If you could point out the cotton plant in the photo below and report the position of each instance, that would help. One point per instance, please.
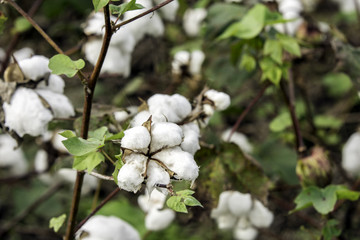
(152, 204)
(28, 110)
(107, 228)
(351, 155)
(242, 214)
(192, 21)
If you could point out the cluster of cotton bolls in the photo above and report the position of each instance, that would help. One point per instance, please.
(29, 110)
(156, 218)
(188, 63)
(107, 228)
(122, 44)
(351, 155)
(239, 212)
(161, 143)
(12, 158)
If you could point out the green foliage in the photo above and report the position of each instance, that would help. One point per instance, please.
(280, 122)
(118, 165)
(331, 229)
(88, 161)
(324, 121)
(62, 64)
(3, 19)
(57, 222)
(182, 199)
(323, 199)
(21, 25)
(248, 62)
(270, 70)
(99, 4)
(337, 84)
(124, 7)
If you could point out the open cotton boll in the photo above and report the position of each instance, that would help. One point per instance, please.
(239, 204)
(23, 53)
(59, 103)
(130, 175)
(249, 233)
(69, 175)
(239, 139)
(94, 24)
(197, 59)
(165, 134)
(137, 139)
(157, 220)
(12, 158)
(41, 165)
(168, 12)
(226, 221)
(190, 142)
(221, 100)
(192, 21)
(55, 84)
(223, 206)
(290, 6)
(260, 216)
(208, 110)
(101, 227)
(155, 200)
(181, 58)
(351, 155)
(156, 174)
(35, 67)
(26, 114)
(182, 163)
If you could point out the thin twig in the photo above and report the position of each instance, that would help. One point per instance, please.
(101, 176)
(89, 93)
(117, 26)
(248, 108)
(15, 221)
(110, 196)
(108, 157)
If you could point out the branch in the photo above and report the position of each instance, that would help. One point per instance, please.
(110, 196)
(89, 92)
(117, 26)
(100, 176)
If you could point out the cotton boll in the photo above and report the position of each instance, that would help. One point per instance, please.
(55, 84)
(26, 114)
(92, 49)
(223, 206)
(260, 216)
(41, 161)
(197, 59)
(249, 233)
(182, 163)
(239, 139)
(239, 203)
(165, 134)
(181, 58)
(181, 106)
(137, 139)
(192, 21)
(94, 24)
(208, 110)
(155, 200)
(117, 62)
(101, 227)
(168, 12)
(121, 116)
(35, 68)
(351, 155)
(226, 221)
(157, 220)
(156, 174)
(59, 103)
(23, 53)
(12, 158)
(220, 99)
(190, 142)
(69, 175)
(130, 175)
(290, 6)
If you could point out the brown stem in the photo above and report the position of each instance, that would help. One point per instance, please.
(117, 26)
(110, 196)
(248, 108)
(89, 93)
(357, 8)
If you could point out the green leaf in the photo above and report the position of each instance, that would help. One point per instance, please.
(116, 136)
(62, 64)
(273, 48)
(248, 62)
(88, 161)
(343, 192)
(118, 165)
(249, 26)
(185, 192)
(175, 203)
(323, 121)
(99, 4)
(122, 8)
(191, 201)
(79, 147)
(3, 19)
(289, 44)
(270, 71)
(67, 134)
(98, 133)
(337, 84)
(331, 230)
(21, 25)
(280, 122)
(57, 222)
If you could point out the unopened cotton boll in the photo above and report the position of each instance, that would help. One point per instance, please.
(12, 158)
(190, 142)
(101, 227)
(41, 161)
(59, 103)
(351, 155)
(35, 68)
(154, 200)
(156, 174)
(239, 204)
(165, 134)
(157, 220)
(192, 21)
(130, 176)
(260, 216)
(136, 139)
(221, 100)
(26, 114)
(239, 139)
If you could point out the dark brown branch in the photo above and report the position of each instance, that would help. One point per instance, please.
(89, 93)
(248, 108)
(117, 26)
(108, 198)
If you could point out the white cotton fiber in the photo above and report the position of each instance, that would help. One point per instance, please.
(156, 174)
(59, 103)
(190, 142)
(35, 67)
(220, 99)
(157, 220)
(351, 155)
(12, 158)
(130, 175)
(260, 216)
(192, 21)
(165, 134)
(55, 84)
(239, 204)
(137, 139)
